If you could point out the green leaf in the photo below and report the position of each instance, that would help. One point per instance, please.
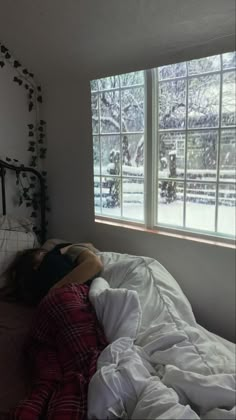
(30, 106)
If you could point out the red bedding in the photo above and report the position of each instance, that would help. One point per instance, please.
(63, 346)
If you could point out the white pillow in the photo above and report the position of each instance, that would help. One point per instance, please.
(20, 224)
(15, 235)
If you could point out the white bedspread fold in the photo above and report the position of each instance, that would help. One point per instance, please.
(160, 364)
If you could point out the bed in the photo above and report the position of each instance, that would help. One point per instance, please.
(159, 364)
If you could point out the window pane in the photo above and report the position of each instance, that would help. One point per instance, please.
(110, 155)
(108, 82)
(171, 155)
(133, 155)
(189, 123)
(96, 156)
(110, 111)
(204, 65)
(203, 101)
(172, 71)
(94, 105)
(97, 195)
(172, 104)
(132, 102)
(129, 79)
(228, 155)
(111, 197)
(133, 198)
(229, 60)
(94, 85)
(228, 98)
(170, 203)
(202, 155)
(200, 206)
(227, 209)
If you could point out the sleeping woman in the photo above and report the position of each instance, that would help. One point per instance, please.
(65, 338)
(36, 271)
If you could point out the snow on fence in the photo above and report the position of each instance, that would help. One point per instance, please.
(108, 195)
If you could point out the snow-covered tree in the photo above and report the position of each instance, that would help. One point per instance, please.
(189, 96)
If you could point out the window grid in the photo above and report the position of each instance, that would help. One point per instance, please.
(150, 149)
(193, 76)
(186, 148)
(100, 150)
(119, 88)
(155, 142)
(119, 133)
(218, 145)
(121, 157)
(186, 131)
(152, 174)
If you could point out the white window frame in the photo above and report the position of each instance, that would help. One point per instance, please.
(185, 180)
(120, 134)
(151, 132)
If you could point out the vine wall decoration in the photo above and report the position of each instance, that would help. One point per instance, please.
(27, 185)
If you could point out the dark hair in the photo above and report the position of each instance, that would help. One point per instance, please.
(19, 277)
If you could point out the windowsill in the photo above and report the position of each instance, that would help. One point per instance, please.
(187, 237)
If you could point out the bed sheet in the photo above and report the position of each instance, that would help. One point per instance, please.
(173, 367)
(194, 369)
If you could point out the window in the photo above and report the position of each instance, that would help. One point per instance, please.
(118, 146)
(164, 146)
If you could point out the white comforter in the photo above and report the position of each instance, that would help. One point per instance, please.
(160, 364)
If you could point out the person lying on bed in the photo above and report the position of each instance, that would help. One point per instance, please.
(35, 272)
(65, 339)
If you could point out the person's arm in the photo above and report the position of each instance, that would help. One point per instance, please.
(89, 265)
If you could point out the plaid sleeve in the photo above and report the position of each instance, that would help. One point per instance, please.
(65, 342)
(46, 375)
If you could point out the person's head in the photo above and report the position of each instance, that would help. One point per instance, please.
(20, 275)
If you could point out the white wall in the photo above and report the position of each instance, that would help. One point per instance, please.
(14, 117)
(205, 272)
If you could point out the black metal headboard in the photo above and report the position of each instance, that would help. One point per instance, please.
(18, 170)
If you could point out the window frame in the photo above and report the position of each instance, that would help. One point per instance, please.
(119, 134)
(186, 180)
(151, 160)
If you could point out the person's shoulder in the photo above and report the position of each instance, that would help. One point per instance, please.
(52, 242)
(60, 246)
(75, 250)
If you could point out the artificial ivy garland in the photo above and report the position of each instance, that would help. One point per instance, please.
(28, 192)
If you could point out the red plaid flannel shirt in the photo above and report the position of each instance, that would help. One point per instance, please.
(64, 344)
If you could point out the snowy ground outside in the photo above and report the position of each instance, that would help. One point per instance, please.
(198, 216)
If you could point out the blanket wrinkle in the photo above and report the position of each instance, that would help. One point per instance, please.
(194, 369)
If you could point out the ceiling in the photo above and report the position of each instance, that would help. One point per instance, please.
(65, 37)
